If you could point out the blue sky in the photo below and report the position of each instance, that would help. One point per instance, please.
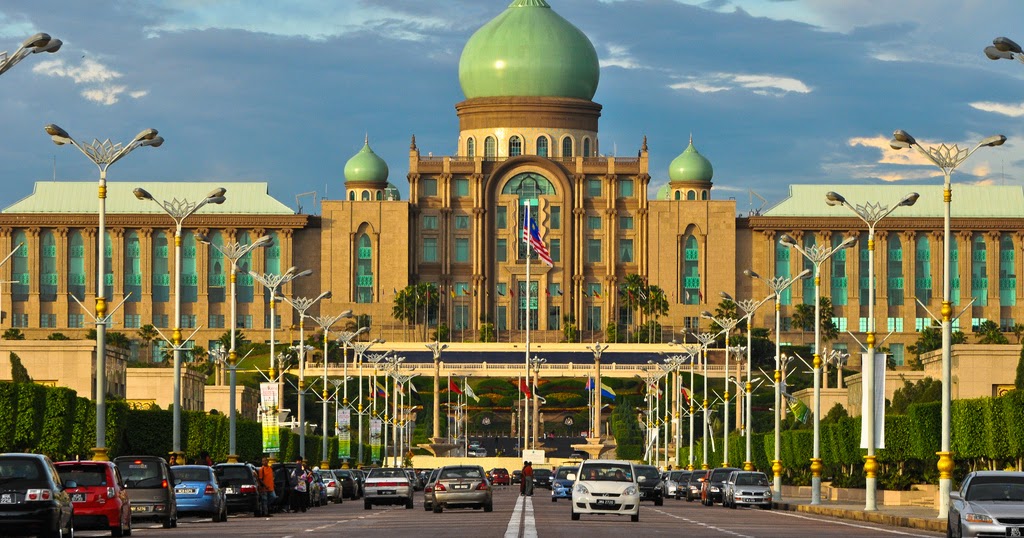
(774, 92)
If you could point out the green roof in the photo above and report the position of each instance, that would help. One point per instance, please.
(690, 165)
(987, 201)
(248, 198)
(366, 166)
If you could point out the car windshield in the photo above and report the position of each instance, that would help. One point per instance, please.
(610, 472)
(461, 472)
(719, 475)
(541, 472)
(192, 474)
(21, 472)
(751, 479)
(234, 472)
(563, 473)
(83, 475)
(387, 473)
(141, 473)
(649, 473)
(996, 488)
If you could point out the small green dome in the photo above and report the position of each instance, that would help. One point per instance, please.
(366, 166)
(664, 192)
(529, 51)
(691, 166)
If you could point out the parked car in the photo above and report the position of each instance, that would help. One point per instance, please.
(561, 486)
(461, 486)
(428, 490)
(694, 484)
(347, 483)
(240, 486)
(711, 489)
(33, 498)
(387, 486)
(99, 498)
(318, 489)
(988, 503)
(675, 484)
(332, 486)
(747, 488)
(499, 477)
(414, 480)
(605, 487)
(542, 478)
(198, 492)
(650, 484)
(150, 484)
(517, 477)
(359, 476)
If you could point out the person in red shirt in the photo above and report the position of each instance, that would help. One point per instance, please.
(265, 477)
(526, 487)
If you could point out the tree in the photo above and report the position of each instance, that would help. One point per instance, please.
(57, 336)
(416, 302)
(199, 354)
(803, 318)
(923, 391)
(118, 340)
(13, 334)
(147, 333)
(613, 333)
(18, 372)
(1018, 331)
(569, 329)
(989, 332)
(1019, 381)
(727, 309)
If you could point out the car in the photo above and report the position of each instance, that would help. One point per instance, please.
(33, 497)
(335, 491)
(694, 484)
(198, 492)
(462, 486)
(605, 487)
(347, 482)
(675, 483)
(711, 489)
(988, 503)
(387, 486)
(499, 477)
(240, 486)
(150, 484)
(578, 455)
(747, 488)
(561, 486)
(649, 481)
(517, 477)
(414, 480)
(360, 477)
(428, 490)
(542, 478)
(318, 489)
(99, 498)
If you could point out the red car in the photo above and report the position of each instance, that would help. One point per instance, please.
(100, 500)
(500, 477)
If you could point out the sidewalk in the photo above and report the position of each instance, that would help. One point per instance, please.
(913, 517)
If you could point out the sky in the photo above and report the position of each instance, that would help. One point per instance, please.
(774, 92)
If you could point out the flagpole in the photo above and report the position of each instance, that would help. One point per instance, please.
(526, 403)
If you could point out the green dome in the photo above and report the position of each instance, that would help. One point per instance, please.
(664, 192)
(691, 166)
(529, 51)
(366, 166)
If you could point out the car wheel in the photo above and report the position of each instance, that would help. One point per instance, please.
(437, 508)
(426, 506)
(169, 522)
(367, 505)
(489, 507)
(408, 504)
(575, 516)
(659, 502)
(635, 517)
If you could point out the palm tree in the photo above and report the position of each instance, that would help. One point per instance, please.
(147, 333)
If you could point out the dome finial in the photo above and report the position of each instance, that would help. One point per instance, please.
(691, 139)
(366, 138)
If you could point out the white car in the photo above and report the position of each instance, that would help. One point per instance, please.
(605, 487)
(387, 486)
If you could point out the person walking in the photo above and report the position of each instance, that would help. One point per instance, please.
(298, 493)
(265, 475)
(526, 488)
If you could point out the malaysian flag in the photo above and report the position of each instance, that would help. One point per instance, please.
(531, 235)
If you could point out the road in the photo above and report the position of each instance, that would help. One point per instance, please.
(518, 517)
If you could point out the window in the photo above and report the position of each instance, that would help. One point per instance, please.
(76, 265)
(501, 217)
(189, 276)
(865, 266)
(48, 321)
(839, 283)
(954, 270)
(161, 276)
(266, 321)
(594, 188)
(896, 350)
(243, 321)
(515, 146)
(20, 270)
(429, 187)
(556, 250)
(626, 223)
(188, 321)
(76, 321)
(461, 249)
(365, 196)
(216, 272)
(1006, 324)
(216, 321)
(862, 325)
(895, 267)
(430, 249)
(490, 148)
(691, 195)
(556, 217)
(567, 147)
(243, 281)
(351, 195)
(542, 146)
(809, 241)
(364, 269)
(470, 147)
(691, 323)
(593, 223)
(1007, 274)
(840, 324)
(626, 188)
(593, 322)
(461, 222)
(502, 289)
(460, 317)
(594, 289)
(160, 321)
(703, 195)
(921, 324)
(132, 321)
(690, 275)
(894, 324)
(501, 250)
(979, 271)
(593, 250)
(48, 267)
(461, 187)
(586, 147)
(625, 251)
(922, 270)
(19, 320)
(429, 222)
(782, 269)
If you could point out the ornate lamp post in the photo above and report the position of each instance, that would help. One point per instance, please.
(178, 210)
(38, 43)
(948, 158)
(727, 324)
(360, 349)
(1004, 48)
(597, 349)
(693, 353)
(535, 363)
(705, 339)
(436, 348)
(675, 361)
(302, 304)
(871, 214)
(325, 322)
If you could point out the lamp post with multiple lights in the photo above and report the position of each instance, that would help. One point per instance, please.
(325, 322)
(871, 214)
(947, 158)
(727, 324)
(38, 43)
(705, 339)
(1004, 48)
(359, 348)
(435, 349)
(597, 349)
(536, 362)
(817, 255)
(301, 305)
(178, 210)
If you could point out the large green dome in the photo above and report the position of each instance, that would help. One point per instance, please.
(529, 51)
(691, 166)
(366, 166)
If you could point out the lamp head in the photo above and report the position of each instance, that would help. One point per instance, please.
(346, 314)
(898, 145)
(154, 142)
(202, 238)
(834, 198)
(993, 141)
(142, 194)
(51, 47)
(909, 199)
(705, 314)
(307, 272)
(848, 242)
(751, 273)
(326, 295)
(148, 134)
(787, 240)
(994, 53)
(903, 136)
(804, 274)
(1002, 44)
(39, 40)
(726, 296)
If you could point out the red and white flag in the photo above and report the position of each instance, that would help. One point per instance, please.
(531, 235)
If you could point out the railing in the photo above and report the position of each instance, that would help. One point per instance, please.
(484, 369)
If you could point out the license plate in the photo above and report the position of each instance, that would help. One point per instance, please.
(385, 492)
(78, 497)
(140, 509)
(461, 486)
(186, 491)
(6, 498)
(1015, 531)
(229, 491)
(605, 501)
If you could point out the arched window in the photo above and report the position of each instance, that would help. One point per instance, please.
(490, 148)
(979, 270)
(470, 147)
(782, 269)
(243, 280)
(351, 195)
(567, 147)
(515, 146)
(923, 270)
(542, 146)
(47, 267)
(691, 271)
(380, 195)
(839, 283)
(108, 267)
(691, 195)
(161, 272)
(527, 187)
(895, 268)
(954, 271)
(76, 265)
(679, 195)
(703, 195)
(364, 270)
(808, 241)
(1007, 275)
(189, 277)
(20, 269)
(217, 269)
(366, 196)
(132, 267)
(586, 147)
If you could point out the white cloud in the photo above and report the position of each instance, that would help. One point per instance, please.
(619, 56)
(96, 77)
(105, 95)
(762, 84)
(17, 29)
(1013, 110)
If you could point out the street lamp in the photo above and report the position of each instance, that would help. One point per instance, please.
(325, 322)
(597, 349)
(536, 362)
(947, 159)
(359, 348)
(38, 43)
(748, 306)
(693, 353)
(1004, 48)
(817, 255)
(234, 252)
(435, 349)
(871, 213)
(676, 361)
(178, 210)
(777, 286)
(302, 304)
(727, 324)
(705, 339)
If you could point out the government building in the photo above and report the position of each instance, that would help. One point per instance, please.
(528, 137)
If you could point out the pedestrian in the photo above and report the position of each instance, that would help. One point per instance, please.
(298, 494)
(173, 460)
(526, 487)
(265, 476)
(205, 459)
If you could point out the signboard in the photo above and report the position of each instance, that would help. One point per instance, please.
(269, 395)
(879, 397)
(375, 446)
(345, 433)
(271, 432)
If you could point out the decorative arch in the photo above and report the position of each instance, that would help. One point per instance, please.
(471, 147)
(567, 146)
(691, 195)
(689, 262)
(352, 195)
(586, 146)
(542, 146)
(490, 148)
(703, 195)
(365, 196)
(363, 280)
(515, 146)
(679, 195)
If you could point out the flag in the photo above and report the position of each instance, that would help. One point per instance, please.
(474, 292)
(531, 235)
(590, 384)
(395, 290)
(559, 291)
(465, 291)
(700, 295)
(452, 291)
(654, 387)
(524, 388)
(470, 393)
(454, 387)
(547, 291)
(607, 391)
(412, 388)
(511, 292)
(686, 394)
(381, 391)
(501, 292)
(799, 409)
(597, 295)
(585, 294)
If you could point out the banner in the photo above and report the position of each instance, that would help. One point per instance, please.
(375, 425)
(345, 433)
(880, 363)
(268, 395)
(271, 432)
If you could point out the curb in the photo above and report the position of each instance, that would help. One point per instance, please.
(925, 524)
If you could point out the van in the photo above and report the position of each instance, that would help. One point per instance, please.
(150, 484)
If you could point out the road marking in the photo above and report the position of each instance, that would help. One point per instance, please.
(513, 523)
(529, 523)
(702, 524)
(881, 529)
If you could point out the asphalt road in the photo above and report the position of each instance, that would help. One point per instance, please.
(517, 517)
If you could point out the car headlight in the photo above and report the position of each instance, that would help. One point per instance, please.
(631, 490)
(768, 494)
(580, 488)
(977, 518)
(714, 489)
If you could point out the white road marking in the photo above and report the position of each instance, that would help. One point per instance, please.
(880, 529)
(529, 523)
(702, 524)
(513, 523)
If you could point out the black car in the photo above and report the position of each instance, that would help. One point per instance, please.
(693, 485)
(714, 483)
(542, 478)
(517, 476)
(349, 486)
(240, 489)
(32, 497)
(651, 487)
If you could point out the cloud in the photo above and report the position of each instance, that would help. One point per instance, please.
(619, 56)
(769, 85)
(11, 28)
(96, 76)
(1013, 110)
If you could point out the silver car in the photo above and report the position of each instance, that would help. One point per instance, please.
(462, 486)
(387, 486)
(747, 488)
(989, 503)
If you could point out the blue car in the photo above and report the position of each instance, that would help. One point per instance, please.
(561, 486)
(197, 491)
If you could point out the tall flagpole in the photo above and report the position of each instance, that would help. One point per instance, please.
(526, 402)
